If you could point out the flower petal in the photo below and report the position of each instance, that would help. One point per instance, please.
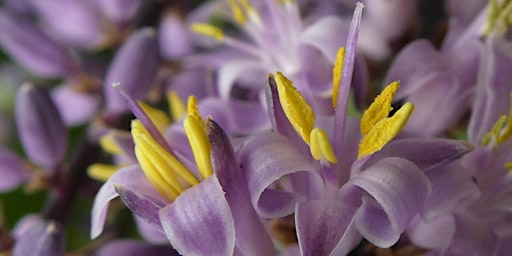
(44, 238)
(321, 224)
(199, 221)
(472, 237)
(12, 171)
(398, 190)
(131, 177)
(134, 248)
(251, 236)
(267, 158)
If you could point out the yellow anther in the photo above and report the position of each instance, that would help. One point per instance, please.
(196, 134)
(101, 172)
(379, 109)
(109, 144)
(336, 75)
(320, 146)
(238, 13)
(295, 107)
(208, 30)
(384, 131)
(161, 168)
(157, 116)
(499, 17)
(176, 106)
(501, 130)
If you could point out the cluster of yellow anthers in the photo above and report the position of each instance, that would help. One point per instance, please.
(167, 174)
(501, 130)
(499, 17)
(376, 127)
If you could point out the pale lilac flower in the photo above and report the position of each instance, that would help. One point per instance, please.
(35, 236)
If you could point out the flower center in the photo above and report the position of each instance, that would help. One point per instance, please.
(501, 131)
(499, 17)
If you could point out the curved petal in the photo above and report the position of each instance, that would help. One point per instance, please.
(143, 207)
(434, 234)
(233, 70)
(397, 190)
(472, 237)
(321, 224)
(327, 35)
(131, 177)
(199, 221)
(267, 158)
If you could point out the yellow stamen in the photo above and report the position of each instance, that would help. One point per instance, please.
(253, 14)
(238, 14)
(109, 144)
(499, 17)
(336, 75)
(157, 116)
(501, 130)
(295, 107)
(384, 131)
(320, 146)
(176, 105)
(508, 165)
(208, 30)
(101, 172)
(379, 109)
(196, 134)
(161, 167)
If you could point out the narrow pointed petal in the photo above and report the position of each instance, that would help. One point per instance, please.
(267, 158)
(251, 236)
(12, 171)
(131, 177)
(321, 224)
(33, 49)
(134, 67)
(42, 132)
(134, 248)
(397, 190)
(44, 238)
(199, 221)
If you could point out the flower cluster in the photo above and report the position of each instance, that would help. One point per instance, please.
(256, 127)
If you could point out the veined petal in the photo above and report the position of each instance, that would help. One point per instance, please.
(398, 190)
(251, 236)
(321, 224)
(199, 222)
(134, 247)
(139, 205)
(130, 176)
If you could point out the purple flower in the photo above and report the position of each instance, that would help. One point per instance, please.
(36, 236)
(194, 195)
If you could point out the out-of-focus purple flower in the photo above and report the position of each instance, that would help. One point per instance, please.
(470, 204)
(32, 48)
(39, 237)
(134, 67)
(75, 107)
(62, 18)
(120, 11)
(13, 170)
(42, 132)
(174, 37)
(277, 39)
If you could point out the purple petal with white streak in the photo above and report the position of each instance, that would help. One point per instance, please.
(199, 221)
(131, 177)
(397, 190)
(321, 224)
(42, 132)
(12, 171)
(251, 236)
